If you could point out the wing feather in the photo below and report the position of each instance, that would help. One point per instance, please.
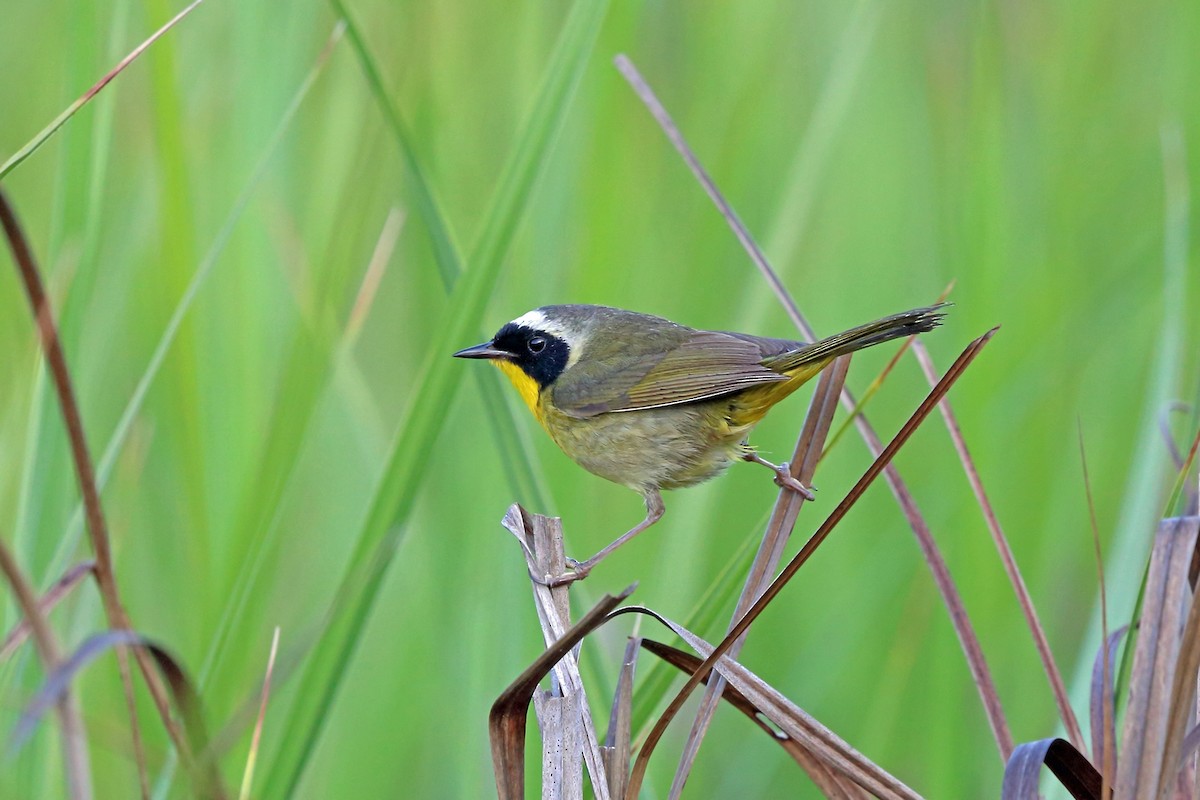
(701, 365)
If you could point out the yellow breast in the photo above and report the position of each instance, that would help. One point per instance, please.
(526, 386)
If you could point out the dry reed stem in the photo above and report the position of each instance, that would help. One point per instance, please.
(507, 720)
(969, 642)
(1155, 660)
(562, 766)
(542, 543)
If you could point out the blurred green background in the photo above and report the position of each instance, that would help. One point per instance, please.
(878, 151)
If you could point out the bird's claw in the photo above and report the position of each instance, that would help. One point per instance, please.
(784, 479)
(578, 571)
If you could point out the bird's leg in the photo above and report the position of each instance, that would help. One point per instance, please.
(580, 569)
(783, 476)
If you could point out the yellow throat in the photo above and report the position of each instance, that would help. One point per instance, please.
(526, 385)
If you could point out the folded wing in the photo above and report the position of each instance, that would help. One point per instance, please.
(699, 366)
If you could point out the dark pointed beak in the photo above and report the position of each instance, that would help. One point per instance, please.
(485, 350)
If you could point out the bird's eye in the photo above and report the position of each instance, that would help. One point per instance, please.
(537, 344)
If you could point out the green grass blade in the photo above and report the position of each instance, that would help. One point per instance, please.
(445, 252)
(438, 381)
(522, 473)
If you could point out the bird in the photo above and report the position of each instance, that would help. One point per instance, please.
(654, 405)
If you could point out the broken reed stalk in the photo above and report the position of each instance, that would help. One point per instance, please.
(1041, 643)
(877, 466)
(779, 529)
(834, 766)
(74, 740)
(94, 513)
(969, 642)
(563, 712)
(507, 719)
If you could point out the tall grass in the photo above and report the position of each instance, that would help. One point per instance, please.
(878, 150)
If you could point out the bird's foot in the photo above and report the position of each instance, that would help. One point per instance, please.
(578, 571)
(784, 480)
(783, 475)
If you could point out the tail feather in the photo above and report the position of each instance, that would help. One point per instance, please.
(919, 320)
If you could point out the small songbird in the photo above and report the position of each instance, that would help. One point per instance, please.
(653, 405)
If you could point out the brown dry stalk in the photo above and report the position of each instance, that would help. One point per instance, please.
(94, 513)
(1156, 661)
(969, 642)
(541, 539)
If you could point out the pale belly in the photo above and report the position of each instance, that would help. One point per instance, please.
(660, 448)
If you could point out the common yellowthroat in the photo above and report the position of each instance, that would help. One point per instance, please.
(653, 405)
